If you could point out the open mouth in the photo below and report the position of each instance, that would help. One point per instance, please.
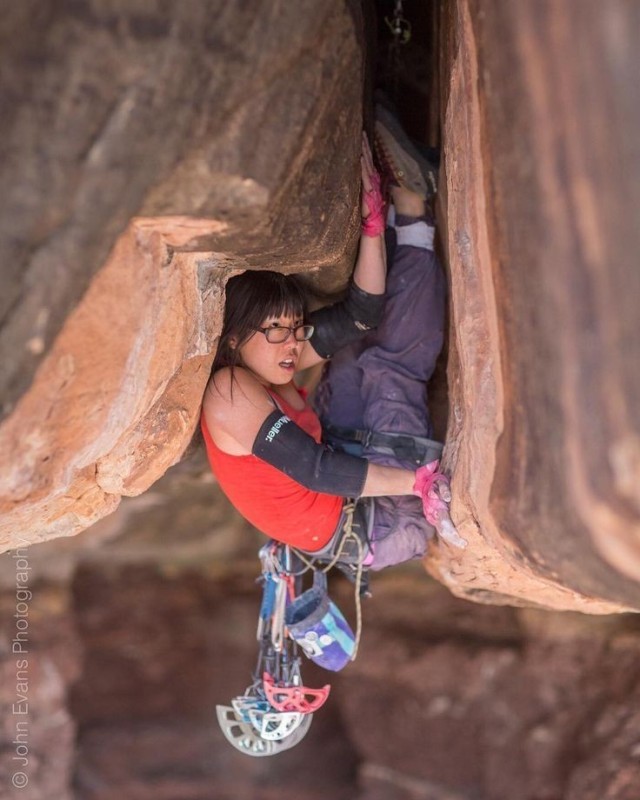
(288, 363)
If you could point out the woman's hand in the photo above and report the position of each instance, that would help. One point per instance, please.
(434, 489)
(373, 217)
(371, 266)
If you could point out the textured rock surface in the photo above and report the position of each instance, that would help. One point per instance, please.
(450, 701)
(40, 657)
(152, 150)
(144, 627)
(541, 182)
(143, 121)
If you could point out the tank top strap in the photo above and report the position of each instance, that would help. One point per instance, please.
(284, 405)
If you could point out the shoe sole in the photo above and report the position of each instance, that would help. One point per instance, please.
(405, 163)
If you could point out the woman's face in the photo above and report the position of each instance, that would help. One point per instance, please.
(273, 363)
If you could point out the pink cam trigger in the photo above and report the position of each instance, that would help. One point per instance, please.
(294, 698)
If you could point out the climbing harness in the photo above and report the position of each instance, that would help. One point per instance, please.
(275, 712)
(405, 447)
(348, 551)
(431, 486)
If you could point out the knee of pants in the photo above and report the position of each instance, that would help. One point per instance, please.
(405, 543)
(400, 531)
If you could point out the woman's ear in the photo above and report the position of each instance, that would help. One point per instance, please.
(233, 342)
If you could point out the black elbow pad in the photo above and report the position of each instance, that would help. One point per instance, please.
(345, 322)
(284, 445)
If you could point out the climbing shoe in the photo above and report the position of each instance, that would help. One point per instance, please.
(400, 159)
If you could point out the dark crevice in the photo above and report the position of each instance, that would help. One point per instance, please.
(407, 74)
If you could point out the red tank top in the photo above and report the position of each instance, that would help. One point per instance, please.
(276, 504)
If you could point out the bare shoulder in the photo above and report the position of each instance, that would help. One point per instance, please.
(235, 406)
(238, 389)
(219, 387)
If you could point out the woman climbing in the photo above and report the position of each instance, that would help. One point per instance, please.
(265, 443)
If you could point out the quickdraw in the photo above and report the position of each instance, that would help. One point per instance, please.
(276, 710)
(400, 30)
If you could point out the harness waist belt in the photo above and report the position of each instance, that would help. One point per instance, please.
(403, 445)
(361, 525)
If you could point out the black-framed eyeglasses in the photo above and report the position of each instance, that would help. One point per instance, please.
(280, 333)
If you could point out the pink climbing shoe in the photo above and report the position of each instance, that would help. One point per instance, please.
(434, 489)
(400, 160)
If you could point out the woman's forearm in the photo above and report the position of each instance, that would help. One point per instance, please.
(381, 481)
(370, 272)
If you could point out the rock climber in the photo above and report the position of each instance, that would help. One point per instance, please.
(365, 463)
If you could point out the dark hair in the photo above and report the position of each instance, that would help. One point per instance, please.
(250, 299)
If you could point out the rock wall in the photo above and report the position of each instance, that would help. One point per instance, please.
(40, 658)
(178, 146)
(541, 163)
(452, 701)
(140, 120)
(154, 151)
(141, 625)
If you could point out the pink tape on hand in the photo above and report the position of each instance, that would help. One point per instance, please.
(424, 487)
(374, 223)
(433, 488)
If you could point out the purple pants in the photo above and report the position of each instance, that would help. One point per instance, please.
(380, 383)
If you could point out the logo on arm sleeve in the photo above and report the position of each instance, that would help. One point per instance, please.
(276, 428)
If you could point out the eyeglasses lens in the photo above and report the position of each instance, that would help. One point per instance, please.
(278, 335)
(303, 333)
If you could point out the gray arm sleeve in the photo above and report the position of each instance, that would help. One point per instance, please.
(346, 321)
(284, 445)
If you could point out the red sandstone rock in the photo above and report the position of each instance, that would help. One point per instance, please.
(451, 702)
(142, 124)
(447, 699)
(38, 731)
(215, 140)
(540, 183)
